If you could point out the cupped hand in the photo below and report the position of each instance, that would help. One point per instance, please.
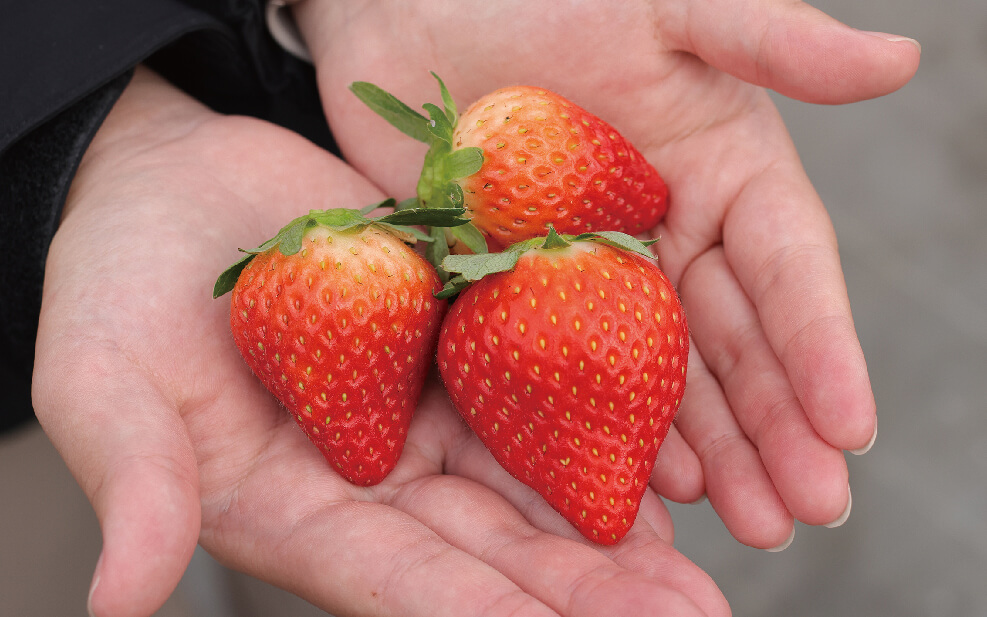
(140, 387)
(778, 386)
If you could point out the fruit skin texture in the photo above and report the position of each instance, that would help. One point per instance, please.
(570, 368)
(342, 333)
(545, 159)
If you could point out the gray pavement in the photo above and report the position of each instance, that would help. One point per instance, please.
(905, 180)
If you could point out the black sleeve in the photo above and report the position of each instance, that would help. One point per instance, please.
(63, 64)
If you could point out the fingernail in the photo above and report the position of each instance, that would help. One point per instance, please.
(870, 444)
(846, 513)
(89, 600)
(92, 588)
(783, 545)
(894, 38)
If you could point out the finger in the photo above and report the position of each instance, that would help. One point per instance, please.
(646, 547)
(792, 48)
(293, 523)
(781, 246)
(737, 485)
(678, 473)
(128, 450)
(808, 473)
(571, 577)
(642, 552)
(788, 263)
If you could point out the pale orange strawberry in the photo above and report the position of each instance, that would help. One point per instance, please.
(522, 158)
(547, 160)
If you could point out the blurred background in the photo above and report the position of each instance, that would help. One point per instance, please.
(905, 180)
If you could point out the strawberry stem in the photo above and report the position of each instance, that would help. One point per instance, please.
(444, 164)
(553, 240)
(471, 268)
(398, 223)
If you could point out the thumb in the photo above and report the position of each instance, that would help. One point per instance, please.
(793, 48)
(128, 449)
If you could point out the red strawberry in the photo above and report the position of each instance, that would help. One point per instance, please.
(523, 157)
(568, 359)
(337, 318)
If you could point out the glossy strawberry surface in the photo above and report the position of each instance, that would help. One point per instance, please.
(342, 333)
(570, 368)
(547, 160)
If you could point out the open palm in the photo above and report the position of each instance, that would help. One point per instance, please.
(778, 386)
(140, 387)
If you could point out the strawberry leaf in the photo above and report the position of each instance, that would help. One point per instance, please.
(437, 188)
(291, 241)
(227, 280)
(340, 219)
(471, 237)
(443, 164)
(553, 240)
(469, 268)
(455, 194)
(430, 176)
(432, 217)
(437, 251)
(452, 287)
(619, 240)
(452, 197)
(447, 102)
(289, 238)
(399, 115)
(439, 126)
(463, 163)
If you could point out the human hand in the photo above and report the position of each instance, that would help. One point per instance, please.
(139, 386)
(778, 385)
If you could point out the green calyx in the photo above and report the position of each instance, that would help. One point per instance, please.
(470, 268)
(398, 223)
(444, 164)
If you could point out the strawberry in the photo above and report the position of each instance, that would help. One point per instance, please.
(336, 317)
(567, 357)
(521, 158)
